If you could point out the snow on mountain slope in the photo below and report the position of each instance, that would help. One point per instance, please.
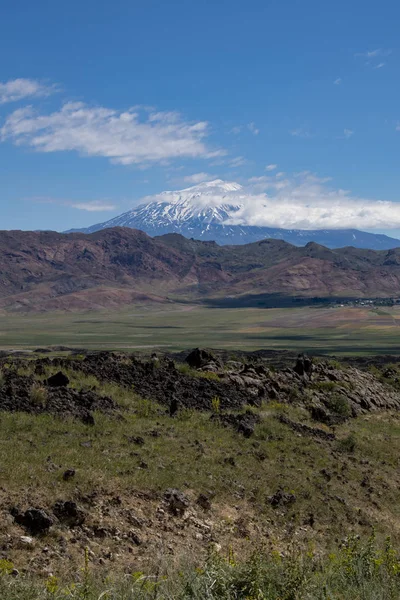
(201, 203)
(206, 212)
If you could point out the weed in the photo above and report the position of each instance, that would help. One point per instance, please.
(325, 386)
(186, 370)
(348, 444)
(38, 395)
(146, 408)
(339, 405)
(216, 405)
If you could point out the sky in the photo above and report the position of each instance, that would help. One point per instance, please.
(104, 103)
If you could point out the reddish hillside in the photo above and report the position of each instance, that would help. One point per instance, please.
(48, 270)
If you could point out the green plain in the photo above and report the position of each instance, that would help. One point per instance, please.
(176, 327)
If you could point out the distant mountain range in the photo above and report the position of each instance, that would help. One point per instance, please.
(203, 212)
(42, 271)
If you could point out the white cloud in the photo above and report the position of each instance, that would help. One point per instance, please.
(238, 161)
(348, 133)
(338, 81)
(90, 206)
(94, 206)
(198, 178)
(301, 201)
(280, 174)
(300, 132)
(305, 201)
(17, 89)
(253, 129)
(374, 53)
(271, 167)
(236, 130)
(123, 137)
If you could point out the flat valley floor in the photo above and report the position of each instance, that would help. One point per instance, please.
(339, 330)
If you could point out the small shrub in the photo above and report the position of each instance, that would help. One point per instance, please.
(6, 567)
(216, 405)
(146, 408)
(186, 370)
(339, 405)
(38, 395)
(185, 414)
(348, 444)
(325, 386)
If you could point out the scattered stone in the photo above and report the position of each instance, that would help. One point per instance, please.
(69, 513)
(138, 440)
(34, 520)
(326, 474)
(177, 502)
(135, 538)
(204, 501)
(174, 406)
(26, 540)
(303, 366)
(306, 429)
(58, 380)
(88, 419)
(68, 474)
(281, 498)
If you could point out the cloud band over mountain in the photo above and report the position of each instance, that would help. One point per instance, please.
(302, 201)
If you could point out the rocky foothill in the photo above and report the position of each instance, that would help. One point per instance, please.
(239, 391)
(329, 390)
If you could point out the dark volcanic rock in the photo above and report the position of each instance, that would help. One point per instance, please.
(34, 520)
(281, 498)
(68, 474)
(303, 366)
(58, 380)
(16, 396)
(176, 501)
(69, 513)
(161, 383)
(199, 358)
(243, 423)
(306, 429)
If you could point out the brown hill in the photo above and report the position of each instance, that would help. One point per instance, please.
(48, 270)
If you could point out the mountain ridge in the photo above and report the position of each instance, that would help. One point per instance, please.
(42, 271)
(205, 212)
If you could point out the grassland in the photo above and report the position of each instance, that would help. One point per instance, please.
(307, 549)
(324, 330)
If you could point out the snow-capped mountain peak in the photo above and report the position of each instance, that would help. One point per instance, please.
(204, 203)
(207, 211)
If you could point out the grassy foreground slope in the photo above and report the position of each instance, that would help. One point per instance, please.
(174, 327)
(274, 515)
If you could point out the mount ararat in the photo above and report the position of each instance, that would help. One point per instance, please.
(209, 211)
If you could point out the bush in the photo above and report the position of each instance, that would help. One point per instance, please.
(348, 444)
(38, 395)
(339, 405)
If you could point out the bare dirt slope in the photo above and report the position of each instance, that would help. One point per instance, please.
(48, 270)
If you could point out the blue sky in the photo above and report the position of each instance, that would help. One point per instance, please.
(103, 103)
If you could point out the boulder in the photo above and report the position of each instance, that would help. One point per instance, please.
(281, 498)
(34, 520)
(58, 380)
(177, 502)
(303, 366)
(69, 513)
(199, 358)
